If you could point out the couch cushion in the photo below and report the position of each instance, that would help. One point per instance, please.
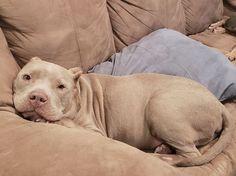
(37, 149)
(231, 3)
(70, 33)
(201, 13)
(133, 19)
(230, 7)
(224, 42)
(8, 71)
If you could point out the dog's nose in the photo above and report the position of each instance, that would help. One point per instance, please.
(38, 98)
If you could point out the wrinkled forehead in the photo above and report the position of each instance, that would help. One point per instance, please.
(41, 69)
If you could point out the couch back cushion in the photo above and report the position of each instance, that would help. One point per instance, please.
(133, 19)
(231, 2)
(84, 33)
(8, 71)
(70, 33)
(230, 7)
(201, 13)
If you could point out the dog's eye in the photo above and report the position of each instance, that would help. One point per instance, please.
(26, 77)
(61, 86)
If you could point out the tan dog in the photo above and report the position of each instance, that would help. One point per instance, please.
(143, 110)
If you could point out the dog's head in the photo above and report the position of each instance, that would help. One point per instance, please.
(44, 90)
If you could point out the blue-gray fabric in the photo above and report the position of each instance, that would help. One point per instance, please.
(169, 52)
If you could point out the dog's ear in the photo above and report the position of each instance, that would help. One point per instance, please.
(35, 59)
(76, 72)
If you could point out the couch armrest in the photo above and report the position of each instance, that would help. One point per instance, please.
(8, 71)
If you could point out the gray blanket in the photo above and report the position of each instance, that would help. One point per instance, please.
(169, 52)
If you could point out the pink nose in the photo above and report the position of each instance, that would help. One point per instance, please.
(38, 98)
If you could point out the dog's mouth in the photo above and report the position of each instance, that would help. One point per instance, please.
(36, 117)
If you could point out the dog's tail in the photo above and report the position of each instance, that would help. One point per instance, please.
(217, 148)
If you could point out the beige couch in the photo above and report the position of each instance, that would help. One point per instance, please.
(84, 33)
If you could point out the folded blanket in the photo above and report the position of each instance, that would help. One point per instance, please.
(169, 52)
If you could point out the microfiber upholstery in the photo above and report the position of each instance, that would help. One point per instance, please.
(84, 33)
(63, 32)
(8, 70)
(199, 14)
(232, 3)
(30, 149)
(133, 19)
